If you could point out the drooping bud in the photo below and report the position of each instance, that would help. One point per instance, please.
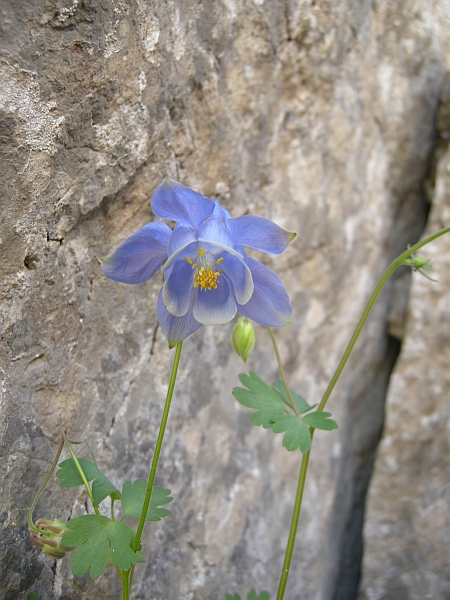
(418, 262)
(243, 338)
(48, 537)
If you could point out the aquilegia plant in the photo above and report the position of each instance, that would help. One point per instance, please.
(208, 278)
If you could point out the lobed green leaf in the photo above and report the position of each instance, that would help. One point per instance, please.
(300, 403)
(297, 433)
(71, 477)
(320, 420)
(133, 495)
(262, 398)
(98, 540)
(232, 597)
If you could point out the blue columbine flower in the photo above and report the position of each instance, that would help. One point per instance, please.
(207, 275)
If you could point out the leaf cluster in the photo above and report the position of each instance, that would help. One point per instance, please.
(99, 540)
(282, 412)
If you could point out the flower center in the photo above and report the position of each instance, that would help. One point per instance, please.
(206, 278)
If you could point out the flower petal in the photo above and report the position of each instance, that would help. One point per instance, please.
(215, 306)
(269, 304)
(177, 289)
(214, 232)
(174, 201)
(239, 275)
(260, 233)
(180, 240)
(176, 329)
(139, 256)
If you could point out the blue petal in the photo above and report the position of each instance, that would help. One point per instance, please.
(139, 256)
(215, 234)
(176, 329)
(260, 233)
(178, 288)
(174, 201)
(269, 305)
(215, 306)
(239, 275)
(183, 241)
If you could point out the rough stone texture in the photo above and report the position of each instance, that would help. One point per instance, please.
(407, 531)
(319, 115)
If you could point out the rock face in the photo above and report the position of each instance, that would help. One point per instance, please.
(319, 115)
(407, 530)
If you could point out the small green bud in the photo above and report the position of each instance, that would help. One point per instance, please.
(48, 537)
(243, 338)
(418, 262)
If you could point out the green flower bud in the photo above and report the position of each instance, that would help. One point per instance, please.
(48, 537)
(243, 338)
(418, 262)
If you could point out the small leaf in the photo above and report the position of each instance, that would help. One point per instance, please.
(32, 596)
(261, 397)
(232, 597)
(133, 495)
(320, 420)
(297, 433)
(70, 477)
(300, 403)
(252, 595)
(97, 539)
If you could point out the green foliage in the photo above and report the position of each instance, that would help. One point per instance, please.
(261, 397)
(71, 477)
(320, 420)
(297, 433)
(98, 540)
(252, 595)
(273, 410)
(133, 500)
(32, 596)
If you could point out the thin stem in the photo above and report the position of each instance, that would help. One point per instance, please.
(280, 368)
(294, 526)
(397, 262)
(305, 460)
(31, 525)
(159, 441)
(81, 472)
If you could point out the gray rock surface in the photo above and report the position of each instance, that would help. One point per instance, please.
(319, 115)
(407, 531)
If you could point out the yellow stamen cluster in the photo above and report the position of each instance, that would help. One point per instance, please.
(206, 277)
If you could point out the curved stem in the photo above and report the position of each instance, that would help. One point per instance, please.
(31, 525)
(305, 460)
(280, 368)
(397, 262)
(159, 441)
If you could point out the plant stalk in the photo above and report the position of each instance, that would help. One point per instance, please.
(305, 460)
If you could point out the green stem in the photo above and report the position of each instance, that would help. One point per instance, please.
(81, 472)
(305, 461)
(31, 525)
(125, 584)
(159, 441)
(397, 262)
(294, 526)
(280, 368)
